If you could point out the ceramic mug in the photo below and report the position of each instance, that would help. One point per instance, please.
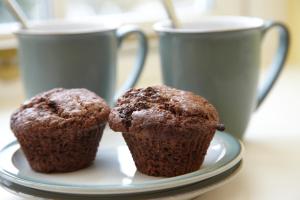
(76, 55)
(219, 58)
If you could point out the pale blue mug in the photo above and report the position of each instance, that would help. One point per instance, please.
(219, 58)
(76, 55)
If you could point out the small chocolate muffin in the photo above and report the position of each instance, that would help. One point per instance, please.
(168, 131)
(60, 130)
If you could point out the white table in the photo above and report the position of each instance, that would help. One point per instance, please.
(271, 168)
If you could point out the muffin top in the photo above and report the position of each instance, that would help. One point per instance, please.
(160, 107)
(60, 109)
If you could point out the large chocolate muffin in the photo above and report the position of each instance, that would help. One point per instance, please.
(168, 131)
(60, 130)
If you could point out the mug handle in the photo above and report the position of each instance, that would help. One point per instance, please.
(278, 62)
(122, 33)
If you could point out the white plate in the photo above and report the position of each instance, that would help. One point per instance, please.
(113, 171)
(180, 193)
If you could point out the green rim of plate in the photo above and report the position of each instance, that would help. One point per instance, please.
(234, 151)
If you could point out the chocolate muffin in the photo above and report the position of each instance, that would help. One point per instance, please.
(168, 131)
(60, 130)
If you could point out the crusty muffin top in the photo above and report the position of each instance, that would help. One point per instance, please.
(60, 109)
(160, 107)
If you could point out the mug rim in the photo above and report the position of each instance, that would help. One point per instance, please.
(90, 27)
(165, 26)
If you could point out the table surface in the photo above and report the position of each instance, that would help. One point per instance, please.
(272, 142)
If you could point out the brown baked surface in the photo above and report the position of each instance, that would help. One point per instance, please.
(170, 154)
(162, 107)
(168, 131)
(60, 130)
(60, 109)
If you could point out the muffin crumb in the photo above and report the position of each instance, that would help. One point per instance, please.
(59, 130)
(168, 131)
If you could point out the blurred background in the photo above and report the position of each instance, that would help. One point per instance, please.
(272, 137)
(271, 164)
(144, 13)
